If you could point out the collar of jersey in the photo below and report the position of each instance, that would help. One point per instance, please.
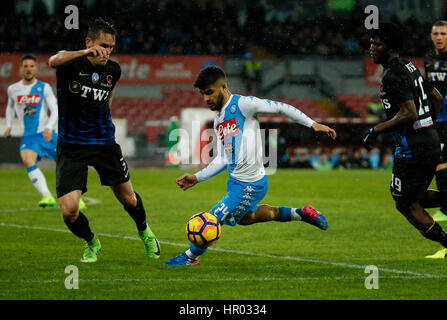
(226, 104)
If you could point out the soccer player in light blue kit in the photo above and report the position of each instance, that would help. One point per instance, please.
(237, 129)
(31, 99)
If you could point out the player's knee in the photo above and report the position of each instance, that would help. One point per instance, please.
(127, 199)
(28, 162)
(70, 210)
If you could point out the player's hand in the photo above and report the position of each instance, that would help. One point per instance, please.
(369, 137)
(47, 134)
(186, 181)
(325, 129)
(8, 133)
(97, 51)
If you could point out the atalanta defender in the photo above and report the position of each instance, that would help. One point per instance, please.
(435, 63)
(86, 81)
(411, 105)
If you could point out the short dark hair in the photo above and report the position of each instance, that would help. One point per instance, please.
(28, 56)
(390, 34)
(100, 25)
(209, 76)
(440, 23)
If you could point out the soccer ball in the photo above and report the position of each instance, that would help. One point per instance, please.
(203, 229)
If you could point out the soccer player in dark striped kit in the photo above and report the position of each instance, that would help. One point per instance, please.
(86, 81)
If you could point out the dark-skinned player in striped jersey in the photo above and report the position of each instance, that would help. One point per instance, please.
(411, 105)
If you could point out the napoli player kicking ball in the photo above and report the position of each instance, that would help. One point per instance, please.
(237, 130)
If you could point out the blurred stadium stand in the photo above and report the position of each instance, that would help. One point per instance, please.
(311, 57)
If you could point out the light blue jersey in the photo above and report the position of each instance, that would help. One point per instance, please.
(31, 104)
(240, 148)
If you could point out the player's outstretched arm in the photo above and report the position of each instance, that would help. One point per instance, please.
(186, 181)
(407, 113)
(63, 57)
(325, 129)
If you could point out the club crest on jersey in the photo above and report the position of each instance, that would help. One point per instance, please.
(29, 99)
(95, 77)
(227, 129)
(233, 108)
(436, 65)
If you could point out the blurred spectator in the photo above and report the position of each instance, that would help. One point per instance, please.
(300, 163)
(375, 109)
(357, 161)
(386, 161)
(179, 27)
(342, 161)
(251, 73)
(323, 162)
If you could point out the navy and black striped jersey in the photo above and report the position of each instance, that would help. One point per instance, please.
(401, 82)
(436, 71)
(83, 92)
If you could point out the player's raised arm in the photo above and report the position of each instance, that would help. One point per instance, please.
(63, 57)
(253, 105)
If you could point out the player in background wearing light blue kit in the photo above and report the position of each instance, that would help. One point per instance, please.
(240, 152)
(31, 99)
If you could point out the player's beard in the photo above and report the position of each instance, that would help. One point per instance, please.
(219, 101)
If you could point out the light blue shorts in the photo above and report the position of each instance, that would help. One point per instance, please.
(37, 143)
(242, 198)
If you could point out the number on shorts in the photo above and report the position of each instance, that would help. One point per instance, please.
(396, 183)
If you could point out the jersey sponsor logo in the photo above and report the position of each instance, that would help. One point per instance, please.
(28, 111)
(98, 94)
(29, 99)
(227, 129)
(436, 76)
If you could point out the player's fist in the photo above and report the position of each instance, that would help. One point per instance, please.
(186, 181)
(97, 51)
(369, 137)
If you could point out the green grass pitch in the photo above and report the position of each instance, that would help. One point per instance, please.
(264, 261)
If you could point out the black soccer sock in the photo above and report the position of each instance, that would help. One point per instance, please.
(80, 227)
(138, 213)
(441, 182)
(436, 233)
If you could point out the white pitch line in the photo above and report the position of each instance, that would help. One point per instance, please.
(248, 253)
(214, 280)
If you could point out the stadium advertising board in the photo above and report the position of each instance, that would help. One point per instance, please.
(136, 69)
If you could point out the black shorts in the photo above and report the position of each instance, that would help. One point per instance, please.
(72, 166)
(411, 178)
(441, 128)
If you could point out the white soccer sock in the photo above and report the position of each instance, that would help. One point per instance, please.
(190, 254)
(295, 216)
(38, 179)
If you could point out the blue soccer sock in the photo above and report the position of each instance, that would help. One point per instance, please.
(194, 252)
(286, 214)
